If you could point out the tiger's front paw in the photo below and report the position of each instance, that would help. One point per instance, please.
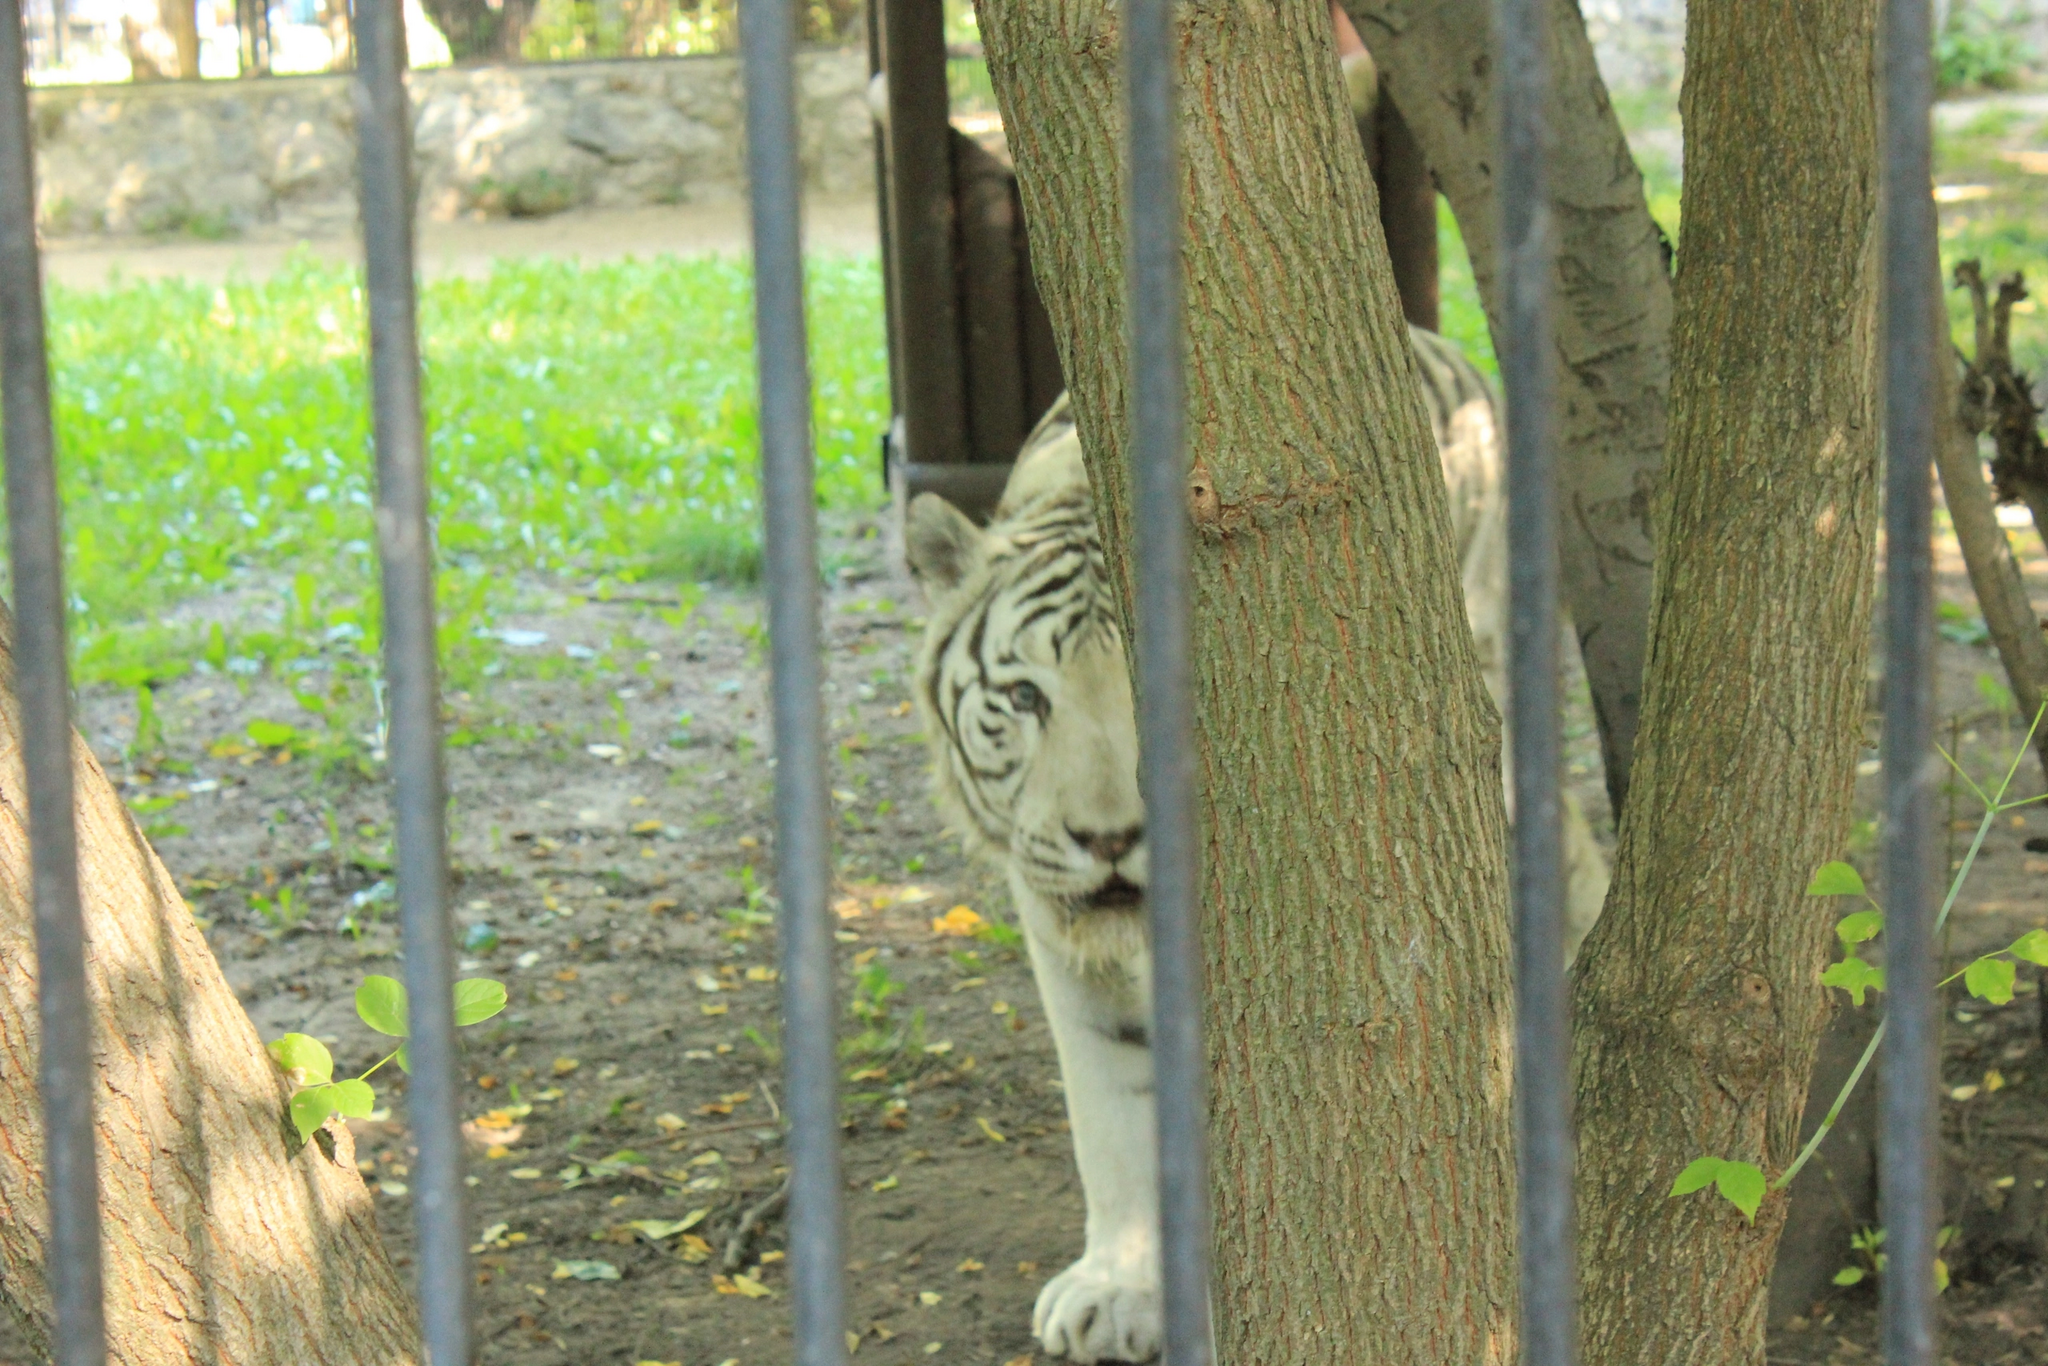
(1091, 1313)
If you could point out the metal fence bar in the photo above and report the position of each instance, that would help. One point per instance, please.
(36, 552)
(1544, 1140)
(406, 548)
(1166, 740)
(1907, 1194)
(803, 845)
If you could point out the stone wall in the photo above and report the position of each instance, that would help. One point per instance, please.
(276, 157)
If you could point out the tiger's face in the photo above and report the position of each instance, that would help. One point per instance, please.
(1026, 697)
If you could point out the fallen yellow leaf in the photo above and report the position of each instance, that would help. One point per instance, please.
(669, 1123)
(737, 1097)
(865, 957)
(714, 1008)
(714, 1109)
(887, 1183)
(929, 1297)
(646, 827)
(564, 1066)
(910, 896)
(750, 1287)
(990, 1130)
(960, 922)
(761, 974)
(969, 1267)
(999, 1008)
(1994, 1080)
(1024, 1360)
(695, 1249)
(848, 908)
(970, 983)
(496, 1151)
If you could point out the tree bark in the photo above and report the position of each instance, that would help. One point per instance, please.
(224, 1238)
(181, 20)
(1697, 1002)
(1613, 314)
(2009, 615)
(1354, 895)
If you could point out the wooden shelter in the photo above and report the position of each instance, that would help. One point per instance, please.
(972, 361)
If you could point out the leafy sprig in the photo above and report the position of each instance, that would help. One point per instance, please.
(1990, 978)
(381, 1004)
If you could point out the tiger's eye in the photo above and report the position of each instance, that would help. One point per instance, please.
(1025, 696)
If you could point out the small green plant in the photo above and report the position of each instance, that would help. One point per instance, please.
(1990, 978)
(1866, 1245)
(149, 727)
(381, 1004)
(283, 911)
(1001, 936)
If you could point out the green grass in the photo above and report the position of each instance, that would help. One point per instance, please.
(584, 421)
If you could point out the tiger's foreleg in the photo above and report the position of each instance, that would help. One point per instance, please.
(1105, 1307)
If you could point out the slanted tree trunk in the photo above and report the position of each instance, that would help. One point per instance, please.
(225, 1239)
(1353, 832)
(1696, 999)
(1613, 314)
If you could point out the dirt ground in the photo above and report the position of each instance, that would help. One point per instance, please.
(632, 1079)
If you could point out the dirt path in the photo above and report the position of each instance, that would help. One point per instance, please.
(839, 223)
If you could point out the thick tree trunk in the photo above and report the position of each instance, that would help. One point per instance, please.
(225, 1239)
(1354, 892)
(1697, 1001)
(1613, 310)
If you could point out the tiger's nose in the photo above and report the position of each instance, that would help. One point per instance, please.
(1107, 845)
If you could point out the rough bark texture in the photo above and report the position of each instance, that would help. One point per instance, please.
(1697, 1001)
(2009, 614)
(225, 1240)
(1613, 310)
(1354, 892)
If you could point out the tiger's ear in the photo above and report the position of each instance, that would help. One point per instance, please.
(942, 545)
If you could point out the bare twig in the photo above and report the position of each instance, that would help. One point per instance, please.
(1998, 400)
(2009, 614)
(737, 1247)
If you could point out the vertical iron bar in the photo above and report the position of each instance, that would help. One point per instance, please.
(1544, 1139)
(1911, 1068)
(43, 690)
(1166, 742)
(406, 547)
(803, 850)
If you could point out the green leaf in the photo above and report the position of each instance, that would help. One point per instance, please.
(1854, 976)
(271, 734)
(586, 1271)
(354, 1098)
(1835, 879)
(381, 1003)
(404, 1058)
(1850, 1275)
(477, 999)
(2031, 947)
(304, 1053)
(1697, 1176)
(1742, 1184)
(310, 1109)
(1863, 925)
(1940, 1276)
(1991, 979)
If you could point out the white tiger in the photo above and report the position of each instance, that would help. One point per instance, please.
(1027, 703)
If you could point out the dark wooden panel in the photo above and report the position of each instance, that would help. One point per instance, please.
(918, 196)
(989, 267)
(1044, 381)
(1408, 215)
